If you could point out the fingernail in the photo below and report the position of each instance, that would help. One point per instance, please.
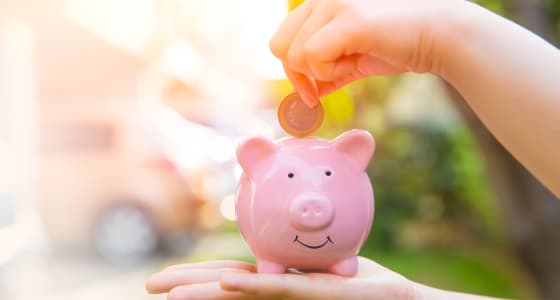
(310, 101)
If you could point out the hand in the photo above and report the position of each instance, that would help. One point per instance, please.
(230, 280)
(325, 44)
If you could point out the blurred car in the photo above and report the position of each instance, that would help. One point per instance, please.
(103, 186)
(18, 231)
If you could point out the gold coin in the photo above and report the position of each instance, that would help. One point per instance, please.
(298, 119)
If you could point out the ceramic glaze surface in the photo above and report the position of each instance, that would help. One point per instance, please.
(306, 203)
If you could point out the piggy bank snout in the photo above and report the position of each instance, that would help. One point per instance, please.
(311, 212)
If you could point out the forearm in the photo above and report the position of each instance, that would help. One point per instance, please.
(511, 79)
(424, 292)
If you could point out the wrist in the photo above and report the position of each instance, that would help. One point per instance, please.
(457, 33)
(424, 292)
(421, 292)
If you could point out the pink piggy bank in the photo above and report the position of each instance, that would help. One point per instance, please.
(306, 203)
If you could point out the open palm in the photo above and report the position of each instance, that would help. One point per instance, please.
(233, 280)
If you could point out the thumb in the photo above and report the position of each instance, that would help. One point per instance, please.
(284, 286)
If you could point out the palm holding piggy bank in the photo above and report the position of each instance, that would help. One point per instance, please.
(306, 203)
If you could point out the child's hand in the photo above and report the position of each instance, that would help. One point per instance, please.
(237, 280)
(508, 75)
(335, 42)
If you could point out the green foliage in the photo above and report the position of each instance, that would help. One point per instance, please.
(456, 270)
(553, 8)
(470, 181)
(418, 165)
(497, 6)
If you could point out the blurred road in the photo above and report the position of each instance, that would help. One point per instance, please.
(40, 276)
(73, 278)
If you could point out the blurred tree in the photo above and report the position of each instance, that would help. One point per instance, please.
(531, 212)
(426, 177)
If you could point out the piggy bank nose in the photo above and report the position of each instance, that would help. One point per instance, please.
(313, 212)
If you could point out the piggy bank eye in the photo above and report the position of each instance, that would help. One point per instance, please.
(290, 175)
(328, 173)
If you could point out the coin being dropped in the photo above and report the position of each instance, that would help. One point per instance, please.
(297, 118)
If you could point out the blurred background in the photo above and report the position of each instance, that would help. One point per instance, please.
(118, 127)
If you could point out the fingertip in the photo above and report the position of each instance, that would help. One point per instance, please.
(231, 282)
(309, 101)
(277, 48)
(309, 93)
(148, 287)
(176, 293)
(305, 86)
(153, 284)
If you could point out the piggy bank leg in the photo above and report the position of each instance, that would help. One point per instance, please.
(347, 267)
(265, 266)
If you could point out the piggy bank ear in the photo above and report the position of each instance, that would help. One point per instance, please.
(358, 144)
(253, 151)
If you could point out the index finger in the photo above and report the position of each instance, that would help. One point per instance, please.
(304, 85)
(332, 42)
(285, 286)
(167, 280)
(215, 264)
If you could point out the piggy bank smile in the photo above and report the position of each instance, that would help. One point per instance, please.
(306, 203)
(327, 240)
